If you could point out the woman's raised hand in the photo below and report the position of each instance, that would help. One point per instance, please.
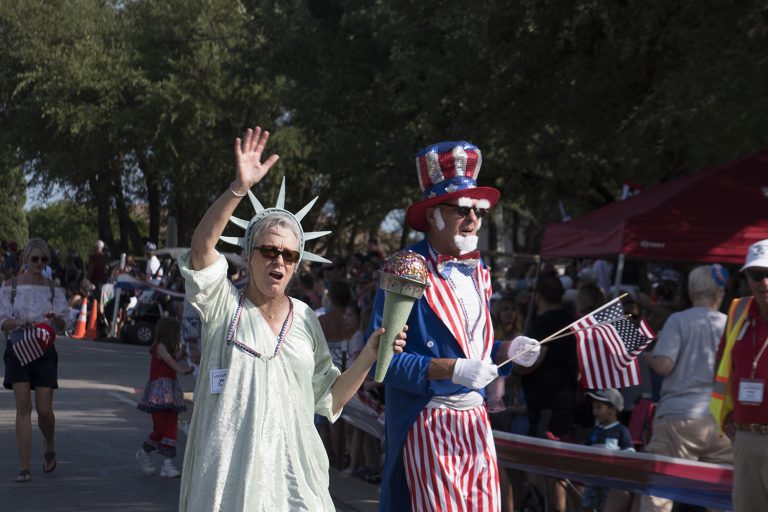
(250, 169)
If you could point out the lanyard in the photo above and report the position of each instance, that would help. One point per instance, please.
(762, 349)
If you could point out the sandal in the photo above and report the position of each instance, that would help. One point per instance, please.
(49, 457)
(24, 476)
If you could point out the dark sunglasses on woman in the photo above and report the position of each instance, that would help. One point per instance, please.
(35, 259)
(271, 253)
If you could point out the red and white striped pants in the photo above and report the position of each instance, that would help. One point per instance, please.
(450, 462)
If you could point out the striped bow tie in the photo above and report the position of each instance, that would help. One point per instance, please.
(465, 263)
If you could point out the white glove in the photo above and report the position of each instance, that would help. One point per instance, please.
(472, 373)
(524, 351)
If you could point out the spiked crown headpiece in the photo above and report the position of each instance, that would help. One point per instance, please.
(246, 242)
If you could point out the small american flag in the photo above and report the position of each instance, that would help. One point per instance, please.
(31, 342)
(608, 353)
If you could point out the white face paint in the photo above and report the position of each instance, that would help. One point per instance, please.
(483, 203)
(465, 243)
(464, 201)
(439, 220)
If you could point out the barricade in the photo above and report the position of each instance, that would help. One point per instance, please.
(698, 483)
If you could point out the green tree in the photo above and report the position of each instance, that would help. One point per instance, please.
(68, 84)
(138, 102)
(65, 224)
(13, 196)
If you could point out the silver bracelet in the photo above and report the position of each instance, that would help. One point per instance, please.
(231, 189)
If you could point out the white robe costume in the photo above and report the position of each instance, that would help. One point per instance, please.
(254, 446)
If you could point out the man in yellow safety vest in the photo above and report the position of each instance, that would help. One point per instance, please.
(738, 398)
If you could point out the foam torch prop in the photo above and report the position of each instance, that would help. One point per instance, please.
(403, 277)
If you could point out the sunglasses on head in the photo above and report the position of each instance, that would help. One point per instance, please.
(757, 275)
(35, 259)
(463, 211)
(271, 253)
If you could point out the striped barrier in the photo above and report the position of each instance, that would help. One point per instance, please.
(697, 483)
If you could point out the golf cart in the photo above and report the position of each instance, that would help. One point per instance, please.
(154, 301)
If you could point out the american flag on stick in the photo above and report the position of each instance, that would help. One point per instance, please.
(608, 345)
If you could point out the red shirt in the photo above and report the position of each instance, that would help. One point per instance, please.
(159, 368)
(744, 352)
(97, 263)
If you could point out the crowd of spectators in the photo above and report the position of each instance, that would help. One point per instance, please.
(545, 400)
(685, 308)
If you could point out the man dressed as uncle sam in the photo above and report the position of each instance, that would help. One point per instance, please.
(440, 453)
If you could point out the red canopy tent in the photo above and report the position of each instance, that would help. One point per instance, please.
(710, 216)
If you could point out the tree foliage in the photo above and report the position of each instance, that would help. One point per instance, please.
(13, 196)
(139, 101)
(64, 224)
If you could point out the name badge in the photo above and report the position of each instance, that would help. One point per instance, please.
(217, 380)
(751, 391)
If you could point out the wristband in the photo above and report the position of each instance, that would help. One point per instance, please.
(232, 189)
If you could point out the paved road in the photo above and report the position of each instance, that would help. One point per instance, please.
(98, 430)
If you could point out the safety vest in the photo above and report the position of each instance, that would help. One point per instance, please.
(721, 402)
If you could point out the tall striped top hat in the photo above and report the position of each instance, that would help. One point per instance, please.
(447, 171)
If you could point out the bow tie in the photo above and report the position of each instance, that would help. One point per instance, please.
(465, 263)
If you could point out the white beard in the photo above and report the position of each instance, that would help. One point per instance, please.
(465, 244)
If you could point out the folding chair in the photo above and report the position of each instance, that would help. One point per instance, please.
(641, 423)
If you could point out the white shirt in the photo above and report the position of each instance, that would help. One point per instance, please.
(154, 270)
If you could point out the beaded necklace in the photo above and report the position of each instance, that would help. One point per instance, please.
(236, 321)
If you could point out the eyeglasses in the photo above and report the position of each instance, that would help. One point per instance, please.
(35, 259)
(271, 253)
(463, 211)
(757, 275)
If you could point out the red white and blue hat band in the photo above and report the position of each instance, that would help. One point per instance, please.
(448, 186)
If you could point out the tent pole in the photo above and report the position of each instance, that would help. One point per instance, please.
(529, 313)
(115, 312)
(619, 272)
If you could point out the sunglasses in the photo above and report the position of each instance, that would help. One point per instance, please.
(757, 275)
(271, 253)
(463, 211)
(36, 259)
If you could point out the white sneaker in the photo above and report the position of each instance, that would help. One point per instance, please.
(146, 464)
(169, 470)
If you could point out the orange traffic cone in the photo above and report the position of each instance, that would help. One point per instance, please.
(81, 320)
(90, 333)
